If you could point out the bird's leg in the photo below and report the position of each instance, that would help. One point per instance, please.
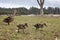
(23, 31)
(37, 28)
(18, 30)
(8, 23)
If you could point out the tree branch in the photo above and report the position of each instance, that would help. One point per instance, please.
(39, 3)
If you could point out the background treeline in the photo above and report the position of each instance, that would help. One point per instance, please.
(32, 10)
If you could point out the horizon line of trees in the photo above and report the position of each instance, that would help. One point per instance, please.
(31, 10)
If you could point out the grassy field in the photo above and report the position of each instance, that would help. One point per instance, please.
(8, 32)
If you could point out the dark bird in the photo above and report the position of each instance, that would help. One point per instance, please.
(8, 20)
(22, 26)
(39, 25)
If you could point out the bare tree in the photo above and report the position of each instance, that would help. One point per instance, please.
(15, 11)
(41, 3)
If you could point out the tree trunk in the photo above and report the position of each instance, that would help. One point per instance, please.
(41, 10)
(41, 3)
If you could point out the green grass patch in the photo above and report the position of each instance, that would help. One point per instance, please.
(8, 32)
